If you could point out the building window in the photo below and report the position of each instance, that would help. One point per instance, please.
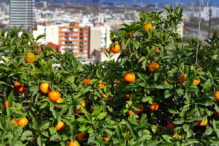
(81, 29)
(81, 47)
(75, 38)
(81, 51)
(81, 43)
(81, 33)
(81, 38)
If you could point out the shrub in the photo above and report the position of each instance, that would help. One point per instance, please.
(93, 105)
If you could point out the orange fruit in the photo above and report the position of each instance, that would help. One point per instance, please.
(117, 82)
(128, 132)
(17, 84)
(217, 96)
(101, 85)
(14, 120)
(141, 109)
(128, 36)
(30, 58)
(175, 134)
(148, 27)
(129, 113)
(44, 88)
(116, 49)
(104, 95)
(6, 104)
(129, 77)
(83, 103)
(30, 102)
(127, 97)
(153, 38)
(60, 100)
(182, 136)
(20, 90)
(54, 95)
(154, 107)
(216, 113)
(74, 143)
(154, 65)
(86, 82)
(196, 82)
(182, 78)
(60, 126)
(81, 136)
(169, 81)
(106, 139)
(201, 68)
(23, 122)
(157, 50)
(170, 126)
(202, 124)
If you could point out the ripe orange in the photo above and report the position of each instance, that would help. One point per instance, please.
(74, 143)
(175, 134)
(23, 122)
(128, 36)
(20, 90)
(216, 113)
(17, 84)
(86, 82)
(157, 50)
(148, 27)
(60, 100)
(129, 113)
(153, 38)
(44, 88)
(217, 96)
(201, 68)
(128, 132)
(30, 58)
(127, 97)
(154, 107)
(182, 78)
(83, 103)
(202, 124)
(60, 126)
(117, 82)
(182, 136)
(107, 138)
(81, 136)
(104, 95)
(101, 85)
(129, 77)
(169, 81)
(6, 104)
(54, 95)
(196, 82)
(170, 126)
(154, 65)
(116, 49)
(14, 120)
(141, 109)
(30, 102)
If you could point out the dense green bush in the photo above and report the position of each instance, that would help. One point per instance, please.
(105, 117)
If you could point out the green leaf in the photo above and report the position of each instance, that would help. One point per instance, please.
(26, 134)
(10, 99)
(178, 121)
(152, 142)
(216, 130)
(118, 131)
(172, 110)
(154, 128)
(52, 130)
(168, 93)
(44, 126)
(102, 115)
(205, 101)
(39, 140)
(207, 86)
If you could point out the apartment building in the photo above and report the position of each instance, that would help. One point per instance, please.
(99, 37)
(75, 38)
(22, 13)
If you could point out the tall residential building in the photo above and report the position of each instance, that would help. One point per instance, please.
(71, 38)
(75, 38)
(22, 13)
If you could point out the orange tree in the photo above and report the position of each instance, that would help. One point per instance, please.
(151, 95)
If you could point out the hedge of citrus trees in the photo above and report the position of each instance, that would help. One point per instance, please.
(151, 95)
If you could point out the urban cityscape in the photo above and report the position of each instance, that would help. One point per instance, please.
(83, 26)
